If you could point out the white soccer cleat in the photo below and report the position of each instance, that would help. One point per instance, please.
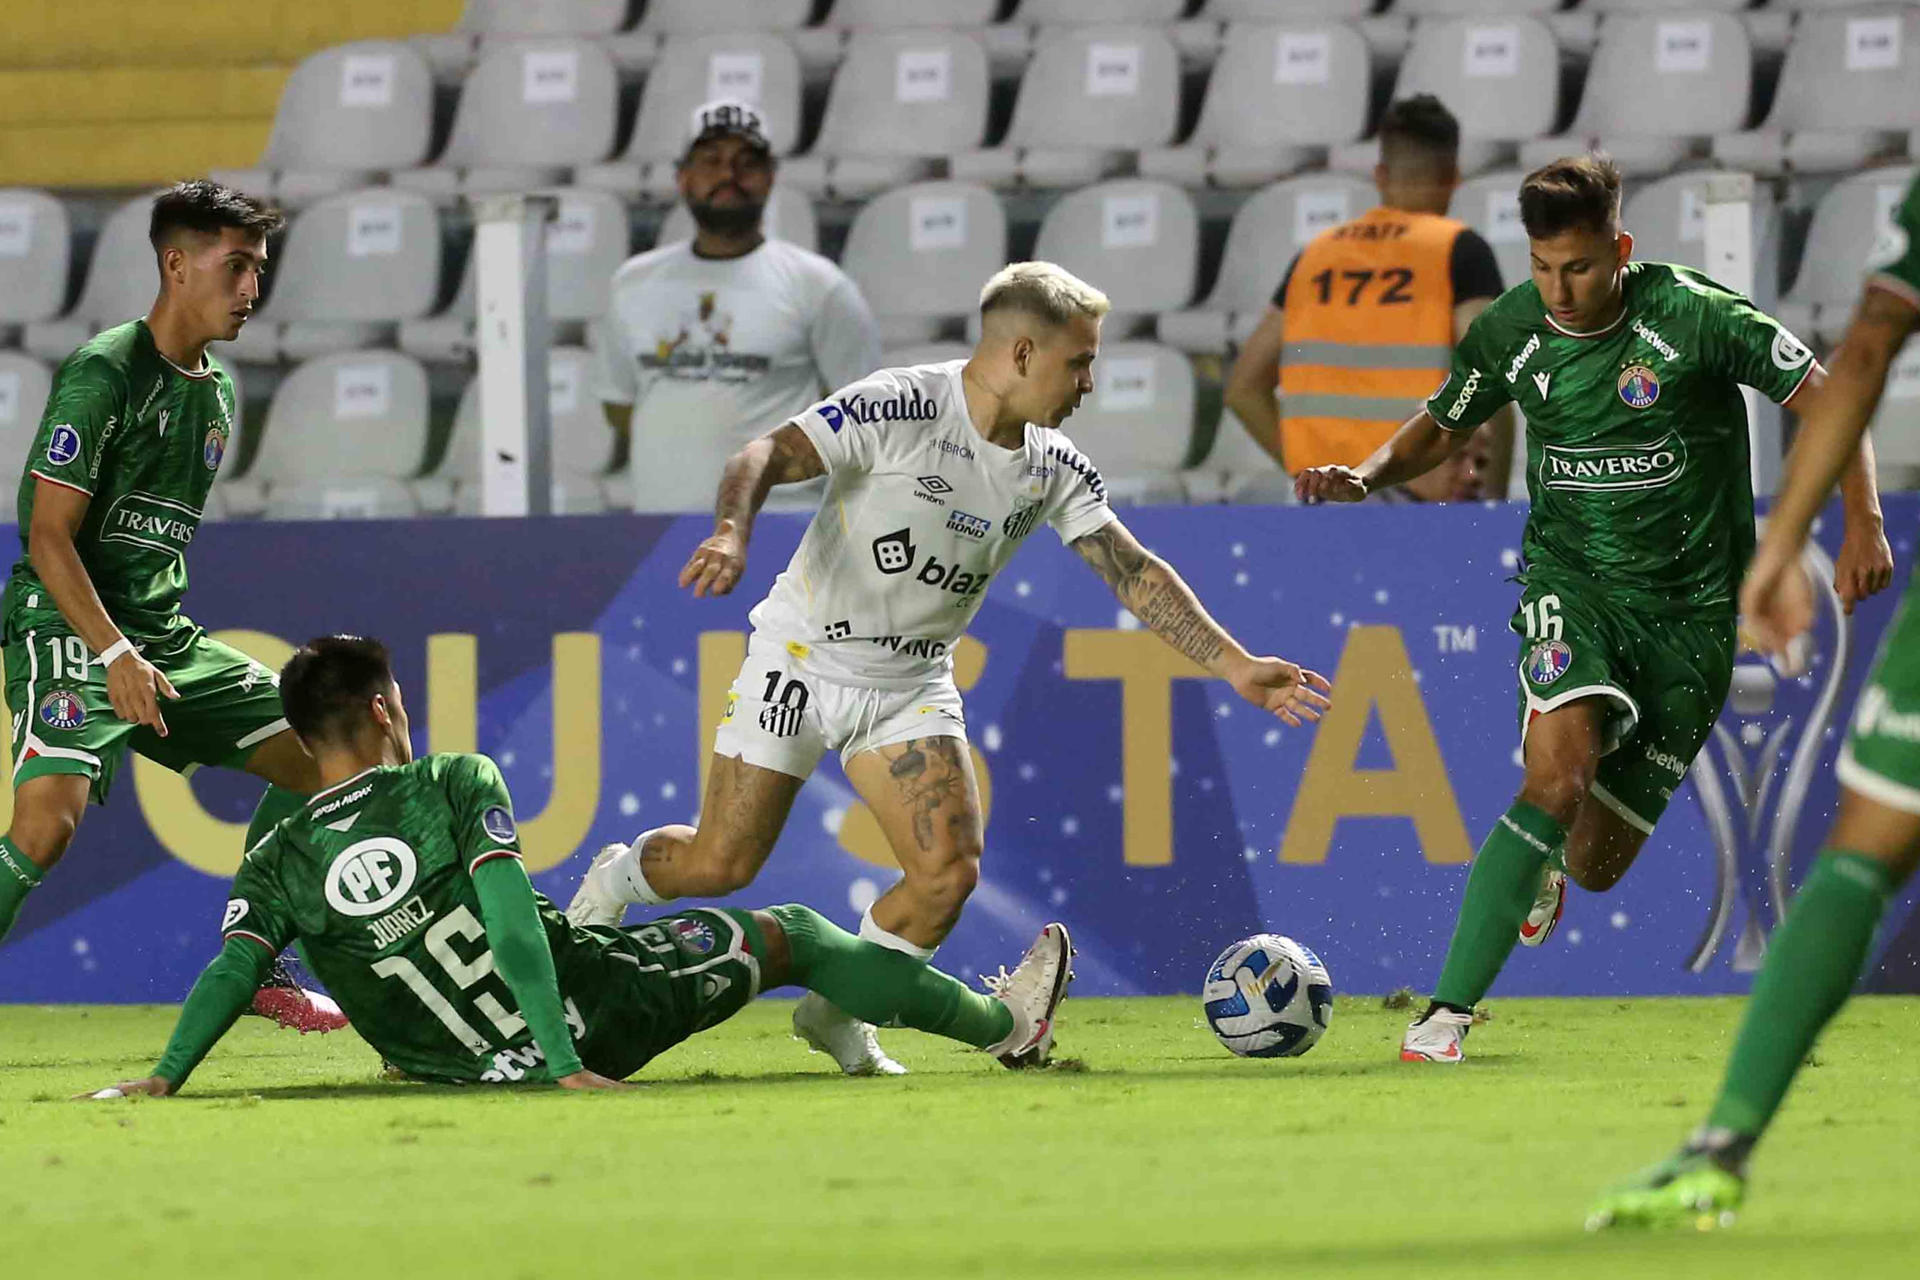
(1436, 1037)
(595, 902)
(848, 1041)
(1549, 904)
(1031, 993)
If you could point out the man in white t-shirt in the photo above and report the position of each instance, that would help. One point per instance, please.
(706, 341)
(935, 475)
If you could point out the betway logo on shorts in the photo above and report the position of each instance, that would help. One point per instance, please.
(1876, 718)
(1666, 760)
(1613, 467)
(150, 521)
(857, 408)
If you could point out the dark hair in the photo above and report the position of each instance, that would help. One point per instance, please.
(1574, 193)
(1420, 130)
(208, 207)
(327, 683)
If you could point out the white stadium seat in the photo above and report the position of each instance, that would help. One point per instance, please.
(1267, 231)
(36, 248)
(921, 253)
(703, 17)
(1278, 97)
(924, 353)
(789, 217)
(344, 434)
(1091, 96)
(1135, 240)
(1668, 220)
(122, 281)
(24, 383)
(1848, 221)
(888, 15)
(1659, 87)
(899, 102)
(1848, 93)
(1667, 6)
(543, 17)
(1473, 8)
(582, 444)
(1236, 470)
(1286, 10)
(346, 115)
(529, 111)
(1138, 422)
(1047, 12)
(755, 67)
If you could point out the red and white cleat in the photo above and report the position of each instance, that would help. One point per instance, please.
(287, 1003)
(1436, 1037)
(1549, 904)
(1032, 993)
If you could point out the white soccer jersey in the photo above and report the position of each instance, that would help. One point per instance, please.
(920, 513)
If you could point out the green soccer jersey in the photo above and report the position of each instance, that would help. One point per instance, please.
(375, 878)
(1637, 458)
(1894, 262)
(143, 438)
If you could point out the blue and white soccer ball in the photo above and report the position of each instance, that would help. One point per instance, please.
(1268, 997)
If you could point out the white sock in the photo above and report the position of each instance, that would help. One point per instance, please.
(627, 877)
(871, 932)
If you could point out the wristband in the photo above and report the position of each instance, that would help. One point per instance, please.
(115, 651)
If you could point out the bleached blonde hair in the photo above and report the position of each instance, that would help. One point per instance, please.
(1042, 289)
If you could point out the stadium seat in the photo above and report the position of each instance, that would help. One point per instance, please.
(353, 266)
(1138, 422)
(1499, 75)
(1490, 204)
(899, 101)
(343, 435)
(24, 383)
(1048, 12)
(1668, 220)
(582, 445)
(1665, 6)
(122, 282)
(884, 15)
(1090, 96)
(759, 68)
(789, 217)
(1472, 8)
(544, 17)
(920, 254)
(1134, 239)
(1847, 95)
(36, 247)
(586, 242)
(1848, 221)
(1236, 470)
(1266, 233)
(347, 114)
(529, 111)
(703, 17)
(924, 353)
(1659, 87)
(1278, 96)
(1286, 10)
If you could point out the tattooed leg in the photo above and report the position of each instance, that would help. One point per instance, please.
(924, 795)
(745, 808)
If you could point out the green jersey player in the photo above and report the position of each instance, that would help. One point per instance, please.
(1641, 524)
(1818, 951)
(98, 655)
(402, 880)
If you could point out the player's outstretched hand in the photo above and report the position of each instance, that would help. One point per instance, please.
(1329, 484)
(1865, 566)
(716, 564)
(1290, 692)
(151, 1087)
(584, 1079)
(135, 687)
(1776, 600)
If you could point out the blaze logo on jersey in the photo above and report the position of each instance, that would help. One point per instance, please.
(695, 936)
(1548, 661)
(839, 630)
(369, 877)
(1638, 386)
(1021, 522)
(498, 824)
(63, 445)
(893, 552)
(62, 709)
(215, 448)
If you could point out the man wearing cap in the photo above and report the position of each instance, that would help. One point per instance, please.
(706, 341)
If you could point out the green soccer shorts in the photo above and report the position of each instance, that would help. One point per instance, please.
(1881, 758)
(63, 721)
(1664, 681)
(663, 981)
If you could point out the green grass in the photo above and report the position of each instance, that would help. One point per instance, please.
(1157, 1155)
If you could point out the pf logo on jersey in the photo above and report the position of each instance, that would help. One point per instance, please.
(893, 552)
(1548, 661)
(371, 876)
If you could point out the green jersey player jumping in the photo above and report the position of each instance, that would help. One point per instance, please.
(99, 657)
(402, 880)
(1641, 524)
(1819, 949)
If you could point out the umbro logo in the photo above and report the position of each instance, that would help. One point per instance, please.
(934, 484)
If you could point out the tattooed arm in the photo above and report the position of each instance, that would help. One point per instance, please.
(1165, 605)
(782, 456)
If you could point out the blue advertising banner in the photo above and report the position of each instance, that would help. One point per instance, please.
(1151, 809)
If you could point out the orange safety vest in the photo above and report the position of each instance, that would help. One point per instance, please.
(1367, 332)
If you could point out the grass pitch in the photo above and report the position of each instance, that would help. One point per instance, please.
(1150, 1153)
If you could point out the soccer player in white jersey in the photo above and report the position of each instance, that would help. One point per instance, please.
(935, 475)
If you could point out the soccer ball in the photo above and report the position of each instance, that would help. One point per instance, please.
(1268, 997)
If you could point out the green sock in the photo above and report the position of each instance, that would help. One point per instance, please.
(1500, 889)
(1813, 960)
(885, 987)
(18, 875)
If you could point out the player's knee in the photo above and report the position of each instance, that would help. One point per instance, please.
(946, 888)
(43, 832)
(1557, 792)
(1594, 879)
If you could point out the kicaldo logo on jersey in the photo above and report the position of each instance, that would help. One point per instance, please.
(369, 877)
